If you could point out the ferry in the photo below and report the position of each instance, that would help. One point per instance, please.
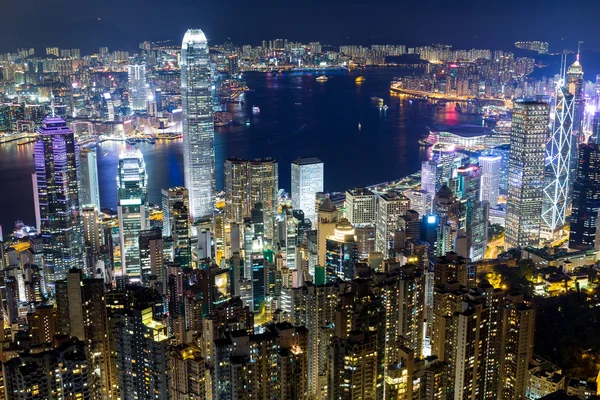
(255, 110)
(25, 141)
(385, 107)
(322, 78)
(377, 101)
(360, 79)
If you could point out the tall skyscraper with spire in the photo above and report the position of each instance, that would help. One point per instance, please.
(574, 84)
(198, 124)
(575, 87)
(56, 165)
(558, 175)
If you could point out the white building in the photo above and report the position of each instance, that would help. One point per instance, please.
(420, 201)
(307, 181)
(390, 207)
(490, 178)
(198, 124)
(136, 79)
(90, 189)
(361, 207)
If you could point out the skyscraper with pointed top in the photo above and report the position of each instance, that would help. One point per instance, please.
(56, 177)
(198, 124)
(574, 83)
(558, 175)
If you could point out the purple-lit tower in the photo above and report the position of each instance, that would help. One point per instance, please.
(56, 177)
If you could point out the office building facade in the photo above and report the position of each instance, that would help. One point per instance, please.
(198, 124)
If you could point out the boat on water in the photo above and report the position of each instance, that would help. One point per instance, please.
(377, 101)
(360, 79)
(105, 153)
(424, 142)
(25, 141)
(255, 110)
(385, 107)
(248, 122)
(322, 78)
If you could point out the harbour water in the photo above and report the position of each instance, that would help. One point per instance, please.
(335, 120)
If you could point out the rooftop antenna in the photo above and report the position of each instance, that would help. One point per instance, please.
(563, 68)
(579, 48)
(52, 104)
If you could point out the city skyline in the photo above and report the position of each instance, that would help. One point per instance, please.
(439, 282)
(371, 22)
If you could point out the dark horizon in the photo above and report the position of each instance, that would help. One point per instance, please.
(469, 24)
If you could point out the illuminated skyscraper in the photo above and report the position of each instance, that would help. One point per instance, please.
(586, 199)
(60, 372)
(526, 173)
(307, 181)
(248, 183)
(558, 174)
(56, 165)
(341, 252)
(136, 77)
(132, 193)
(574, 83)
(447, 213)
(176, 223)
(91, 228)
(236, 189)
(490, 178)
(141, 346)
(170, 197)
(198, 124)
(519, 326)
(473, 214)
(263, 184)
(390, 207)
(353, 372)
(90, 190)
(361, 207)
(151, 255)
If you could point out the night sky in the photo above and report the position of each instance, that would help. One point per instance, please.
(122, 24)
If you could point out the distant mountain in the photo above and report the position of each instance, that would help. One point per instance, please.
(87, 35)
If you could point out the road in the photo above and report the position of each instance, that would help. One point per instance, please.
(492, 251)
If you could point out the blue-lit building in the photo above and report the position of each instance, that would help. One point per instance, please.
(56, 191)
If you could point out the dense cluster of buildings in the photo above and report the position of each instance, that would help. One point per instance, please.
(370, 294)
